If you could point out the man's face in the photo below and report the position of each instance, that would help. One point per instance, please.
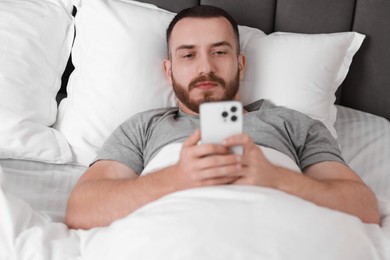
(204, 65)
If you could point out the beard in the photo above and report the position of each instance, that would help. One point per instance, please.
(182, 93)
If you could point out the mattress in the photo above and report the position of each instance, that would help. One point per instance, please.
(46, 187)
(365, 145)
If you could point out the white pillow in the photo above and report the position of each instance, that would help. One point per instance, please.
(299, 71)
(35, 43)
(118, 55)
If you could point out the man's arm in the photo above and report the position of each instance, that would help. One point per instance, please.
(109, 190)
(329, 184)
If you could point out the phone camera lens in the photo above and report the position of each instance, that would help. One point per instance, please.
(233, 118)
(233, 109)
(224, 114)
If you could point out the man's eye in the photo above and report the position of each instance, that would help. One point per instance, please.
(220, 52)
(188, 56)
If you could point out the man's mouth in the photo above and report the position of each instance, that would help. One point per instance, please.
(205, 85)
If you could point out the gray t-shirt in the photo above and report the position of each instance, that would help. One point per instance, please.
(306, 141)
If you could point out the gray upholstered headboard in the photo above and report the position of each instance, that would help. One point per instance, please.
(367, 86)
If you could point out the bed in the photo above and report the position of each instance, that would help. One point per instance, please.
(72, 71)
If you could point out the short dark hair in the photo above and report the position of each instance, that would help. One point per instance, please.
(203, 11)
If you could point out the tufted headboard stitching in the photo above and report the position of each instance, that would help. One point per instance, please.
(367, 86)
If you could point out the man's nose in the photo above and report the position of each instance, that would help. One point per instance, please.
(205, 64)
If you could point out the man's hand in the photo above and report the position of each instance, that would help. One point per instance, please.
(205, 164)
(256, 169)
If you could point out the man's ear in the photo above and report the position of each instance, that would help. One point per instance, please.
(168, 70)
(241, 64)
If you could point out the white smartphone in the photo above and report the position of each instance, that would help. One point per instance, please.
(219, 120)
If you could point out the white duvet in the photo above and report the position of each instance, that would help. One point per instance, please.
(223, 222)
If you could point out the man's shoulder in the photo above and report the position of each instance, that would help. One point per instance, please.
(270, 109)
(158, 112)
(266, 104)
(150, 115)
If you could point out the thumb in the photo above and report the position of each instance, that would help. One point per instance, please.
(192, 139)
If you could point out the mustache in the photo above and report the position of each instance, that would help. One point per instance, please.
(209, 77)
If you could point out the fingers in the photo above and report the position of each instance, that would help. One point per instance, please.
(203, 150)
(217, 161)
(230, 171)
(208, 164)
(241, 139)
(221, 180)
(218, 175)
(222, 167)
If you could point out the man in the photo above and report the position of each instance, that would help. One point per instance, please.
(205, 64)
